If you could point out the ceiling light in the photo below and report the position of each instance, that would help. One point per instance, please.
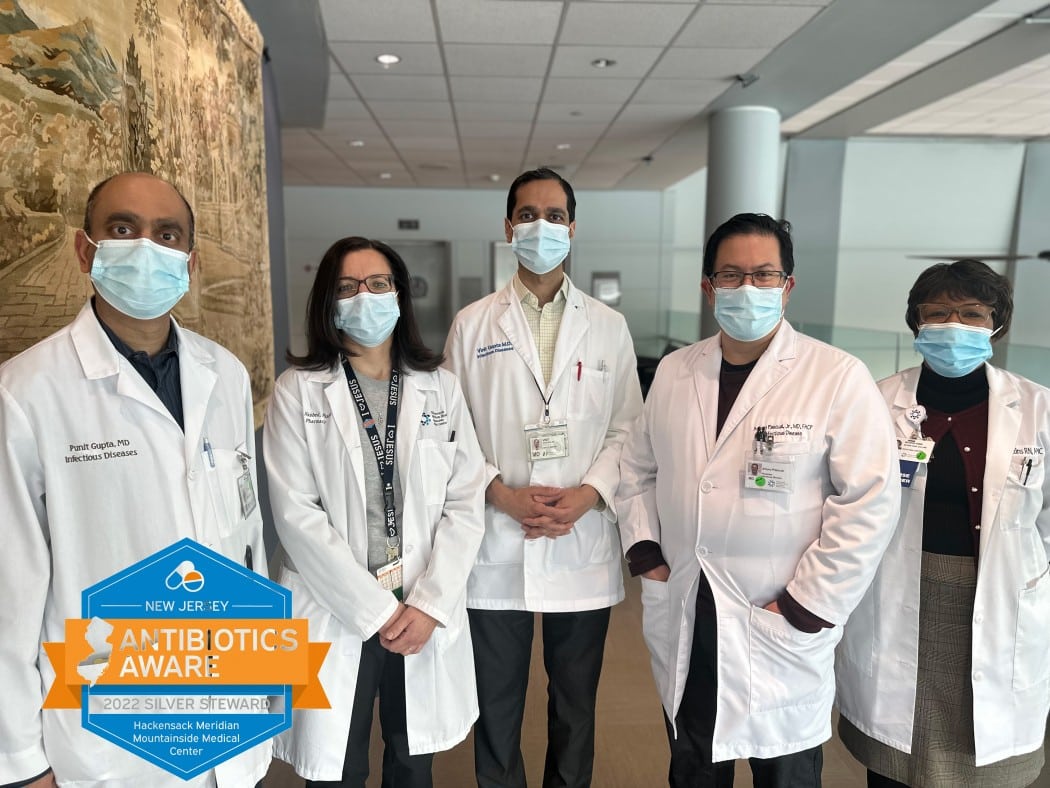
(385, 176)
(603, 62)
(563, 146)
(357, 143)
(494, 177)
(387, 60)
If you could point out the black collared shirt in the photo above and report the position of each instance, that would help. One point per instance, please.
(161, 372)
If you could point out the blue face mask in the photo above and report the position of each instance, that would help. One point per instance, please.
(368, 318)
(953, 349)
(747, 313)
(138, 277)
(540, 246)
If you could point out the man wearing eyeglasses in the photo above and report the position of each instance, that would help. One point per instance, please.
(759, 490)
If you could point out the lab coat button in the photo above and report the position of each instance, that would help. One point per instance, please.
(706, 487)
(191, 475)
(701, 551)
(408, 549)
(978, 619)
(977, 675)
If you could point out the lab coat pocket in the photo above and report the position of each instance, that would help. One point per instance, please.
(789, 668)
(445, 636)
(322, 625)
(656, 616)
(1032, 637)
(588, 393)
(436, 460)
(1022, 493)
(589, 542)
(222, 479)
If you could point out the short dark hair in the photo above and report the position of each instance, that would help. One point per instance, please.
(89, 206)
(751, 224)
(324, 344)
(965, 278)
(542, 174)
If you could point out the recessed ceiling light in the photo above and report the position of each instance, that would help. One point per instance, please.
(387, 60)
(385, 176)
(357, 143)
(494, 177)
(563, 146)
(603, 62)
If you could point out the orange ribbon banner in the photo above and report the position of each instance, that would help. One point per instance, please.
(189, 652)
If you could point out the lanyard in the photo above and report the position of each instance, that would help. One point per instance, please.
(546, 403)
(384, 453)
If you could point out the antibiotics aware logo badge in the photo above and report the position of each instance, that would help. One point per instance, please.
(186, 659)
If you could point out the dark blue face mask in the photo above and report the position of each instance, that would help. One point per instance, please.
(953, 349)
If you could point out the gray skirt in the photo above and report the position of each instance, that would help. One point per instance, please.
(942, 747)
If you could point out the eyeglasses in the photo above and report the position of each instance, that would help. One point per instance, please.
(970, 314)
(376, 283)
(733, 279)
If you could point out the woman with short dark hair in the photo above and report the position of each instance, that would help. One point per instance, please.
(944, 668)
(376, 483)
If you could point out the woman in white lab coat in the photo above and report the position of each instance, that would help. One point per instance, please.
(376, 482)
(944, 669)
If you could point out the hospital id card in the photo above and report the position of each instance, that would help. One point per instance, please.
(390, 577)
(762, 473)
(247, 493)
(916, 449)
(547, 441)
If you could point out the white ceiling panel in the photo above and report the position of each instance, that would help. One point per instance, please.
(497, 60)
(575, 61)
(495, 89)
(390, 87)
(575, 113)
(419, 142)
(498, 21)
(497, 129)
(589, 91)
(360, 58)
(339, 88)
(339, 109)
(415, 128)
(563, 132)
(633, 24)
(695, 93)
(709, 63)
(495, 110)
(411, 110)
(744, 26)
(368, 20)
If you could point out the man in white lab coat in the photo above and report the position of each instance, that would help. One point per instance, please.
(759, 491)
(550, 377)
(180, 408)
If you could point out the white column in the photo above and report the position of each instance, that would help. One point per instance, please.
(743, 172)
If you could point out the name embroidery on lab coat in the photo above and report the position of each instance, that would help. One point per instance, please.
(488, 350)
(101, 450)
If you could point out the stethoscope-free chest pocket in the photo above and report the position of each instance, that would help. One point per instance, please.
(1023, 491)
(588, 392)
(224, 470)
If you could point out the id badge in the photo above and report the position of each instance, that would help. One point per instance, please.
(762, 473)
(916, 449)
(547, 441)
(247, 493)
(390, 577)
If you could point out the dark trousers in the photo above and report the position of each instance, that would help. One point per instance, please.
(876, 780)
(691, 765)
(383, 672)
(573, 648)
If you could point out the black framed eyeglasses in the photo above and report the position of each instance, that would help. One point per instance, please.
(733, 279)
(376, 283)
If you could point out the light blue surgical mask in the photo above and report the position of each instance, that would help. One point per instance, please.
(953, 349)
(368, 318)
(747, 313)
(540, 246)
(142, 279)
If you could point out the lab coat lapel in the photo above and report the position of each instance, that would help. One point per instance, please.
(198, 380)
(904, 399)
(772, 366)
(574, 325)
(706, 367)
(512, 324)
(344, 414)
(409, 418)
(1004, 424)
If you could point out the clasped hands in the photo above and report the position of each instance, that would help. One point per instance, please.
(407, 631)
(543, 511)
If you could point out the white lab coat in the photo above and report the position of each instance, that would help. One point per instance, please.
(594, 387)
(683, 487)
(315, 465)
(1010, 673)
(68, 524)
